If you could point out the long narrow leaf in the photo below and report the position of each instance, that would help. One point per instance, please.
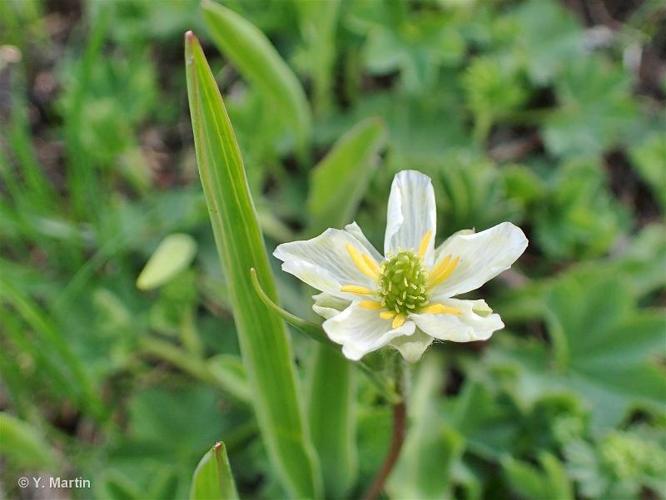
(212, 479)
(331, 412)
(259, 62)
(339, 181)
(337, 185)
(265, 347)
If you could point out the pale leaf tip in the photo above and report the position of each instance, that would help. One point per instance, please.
(191, 42)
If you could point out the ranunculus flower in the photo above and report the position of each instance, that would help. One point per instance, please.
(404, 299)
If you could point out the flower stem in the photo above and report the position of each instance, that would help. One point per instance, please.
(397, 440)
(399, 429)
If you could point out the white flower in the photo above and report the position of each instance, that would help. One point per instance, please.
(405, 298)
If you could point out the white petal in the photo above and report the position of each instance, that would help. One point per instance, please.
(482, 256)
(355, 230)
(412, 347)
(324, 262)
(361, 331)
(411, 214)
(327, 306)
(477, 321)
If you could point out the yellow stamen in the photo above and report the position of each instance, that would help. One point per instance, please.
(359, 290)
(399, 320)
(370, 304)
(387, 314)
(372, 264)
(443, 270)
(423, 246)
(361, 263)
(440, 309)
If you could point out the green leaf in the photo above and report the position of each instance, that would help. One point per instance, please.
(548, 39)
(339, 181)
(212, 479)
(259, 62)
(417, 47)
(173, 254)
(532, 482)
(318, 22)
(265, 347)
(619, 464)
(579, 217)
(650, 160)
(23, 445)
(524, 478)
(492, 91)
(595, 109)
(487, 426)
(417, 132)
(603, 349)
(332, 417)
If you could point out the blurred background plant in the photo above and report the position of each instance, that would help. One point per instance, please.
(546, 113)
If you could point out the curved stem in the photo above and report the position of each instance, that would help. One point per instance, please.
(397, 440)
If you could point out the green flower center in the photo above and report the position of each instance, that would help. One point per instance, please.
(402, 283)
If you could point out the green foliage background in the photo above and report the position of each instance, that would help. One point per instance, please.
(547, 114)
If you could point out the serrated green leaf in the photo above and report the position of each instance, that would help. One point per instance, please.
(595, 109)
(263, 338)
(173, 254)
(603, 349)
(339, 181)
(578, 218)
(492, 90)
(212, 479)
(258, 61)
(548, 38)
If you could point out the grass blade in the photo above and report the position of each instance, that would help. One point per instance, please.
(212, 479)
(259, 62)
(53, 343)
(265, 347)
(339, 181)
